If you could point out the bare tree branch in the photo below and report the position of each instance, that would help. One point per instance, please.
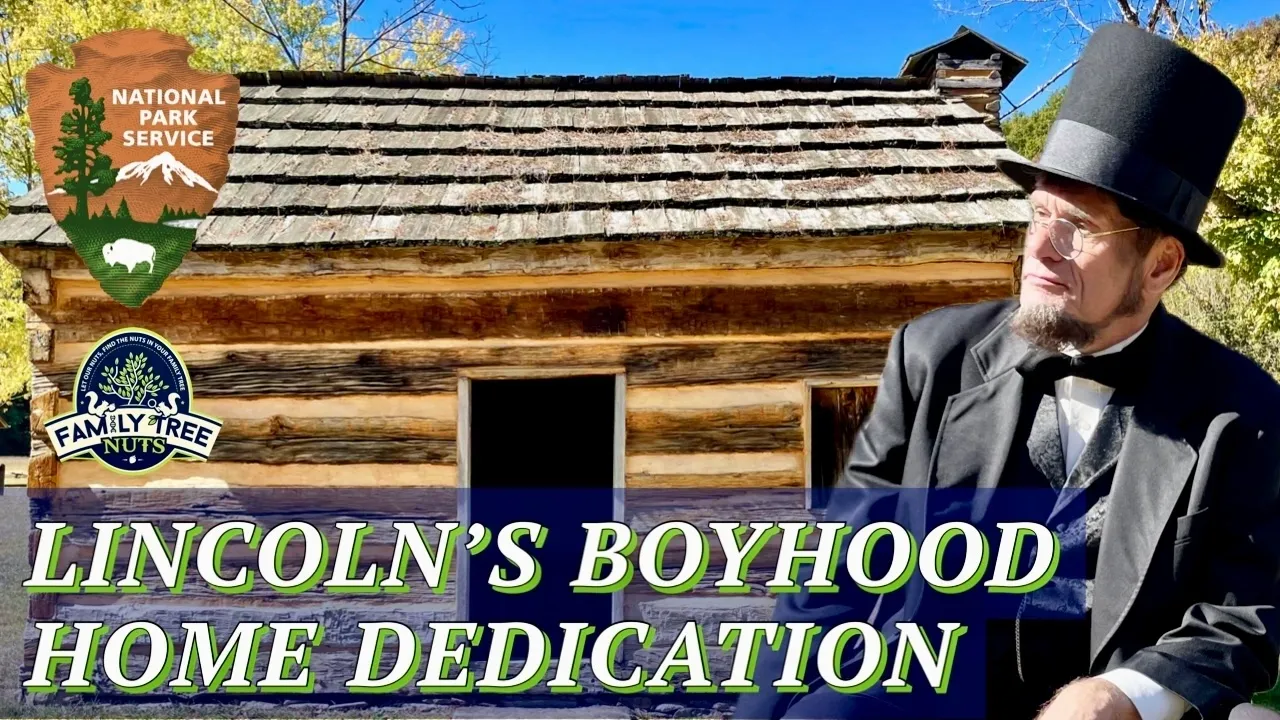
(1076, 16)
(392, 25)
(1127, 12)
(485, 57)
(1044, 86)
(273, 33)
(1171, 16)
(1154, 17)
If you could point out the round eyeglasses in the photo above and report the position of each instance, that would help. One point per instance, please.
(1067, 238)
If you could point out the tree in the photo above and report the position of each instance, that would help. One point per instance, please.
(80, 148)
(134, 383)
(123, 212)
(1026, 132)
(333, 35)
(14, 370)
(1076, 20)
(1243, 218)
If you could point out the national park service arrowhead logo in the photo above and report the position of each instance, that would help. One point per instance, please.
(132, 147)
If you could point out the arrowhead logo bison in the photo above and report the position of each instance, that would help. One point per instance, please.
(132, 147)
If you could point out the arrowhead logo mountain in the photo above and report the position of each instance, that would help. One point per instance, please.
(132, 146)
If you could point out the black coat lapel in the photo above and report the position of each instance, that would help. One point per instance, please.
(979, 424)
(1153, 467)
(977, 429)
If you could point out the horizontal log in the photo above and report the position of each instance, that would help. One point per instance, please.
(744, 481)
(251, 434)
(422, 368)
(714, 463)
(279, 427)
(403, 415)
(660, 311)
(774, 427)
(296, 450)
(914, 247)
(71, 290)
(714, 396)
(280, 440)
(86, 473)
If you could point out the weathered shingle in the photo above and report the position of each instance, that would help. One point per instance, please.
(332, 159)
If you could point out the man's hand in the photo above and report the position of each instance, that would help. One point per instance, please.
(1090, 699)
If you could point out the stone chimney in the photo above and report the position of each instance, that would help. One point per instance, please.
(976, 82)
(967, 66)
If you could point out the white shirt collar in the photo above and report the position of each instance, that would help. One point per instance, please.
(1069, 350)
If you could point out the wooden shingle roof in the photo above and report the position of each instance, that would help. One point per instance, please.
(326, 159)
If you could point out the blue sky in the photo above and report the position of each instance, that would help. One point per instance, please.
(753, 38)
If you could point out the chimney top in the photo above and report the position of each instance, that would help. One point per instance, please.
(965, 44)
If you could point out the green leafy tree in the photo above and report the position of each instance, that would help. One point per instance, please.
(133, 383)
(1243, 219)
(14, 370)
(1025, 132)
(123, 212)
(86, 168)
(105, 214)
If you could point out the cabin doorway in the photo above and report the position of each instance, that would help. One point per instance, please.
(836, 412)
(548, 450)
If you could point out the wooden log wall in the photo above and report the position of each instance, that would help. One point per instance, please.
(339, 368)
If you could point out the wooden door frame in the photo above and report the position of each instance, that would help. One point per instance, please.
(463, 577)
(854, 381)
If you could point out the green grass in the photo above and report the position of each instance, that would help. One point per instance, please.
(130, 288)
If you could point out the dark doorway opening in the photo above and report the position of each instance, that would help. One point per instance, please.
(541, 450)
(835, 414)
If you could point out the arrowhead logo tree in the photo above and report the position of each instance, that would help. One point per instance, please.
(132, 146)
(84, 166)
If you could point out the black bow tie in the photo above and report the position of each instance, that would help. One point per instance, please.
(1115, 370)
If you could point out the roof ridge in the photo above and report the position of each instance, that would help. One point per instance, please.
(684, 83)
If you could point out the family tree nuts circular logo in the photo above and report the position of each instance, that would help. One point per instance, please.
(133, 407)
(132, 148)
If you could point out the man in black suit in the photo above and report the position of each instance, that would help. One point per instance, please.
(1086, 383)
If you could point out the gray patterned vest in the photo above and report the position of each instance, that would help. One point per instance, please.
(1047, 646)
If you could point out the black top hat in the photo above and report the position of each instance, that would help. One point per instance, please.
(1148, 121)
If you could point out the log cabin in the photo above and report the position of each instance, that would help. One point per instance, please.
(436, 282)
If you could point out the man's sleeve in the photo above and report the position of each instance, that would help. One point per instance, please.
(1226, 647)
(876, 462)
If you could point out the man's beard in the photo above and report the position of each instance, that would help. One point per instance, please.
(1053, 328)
